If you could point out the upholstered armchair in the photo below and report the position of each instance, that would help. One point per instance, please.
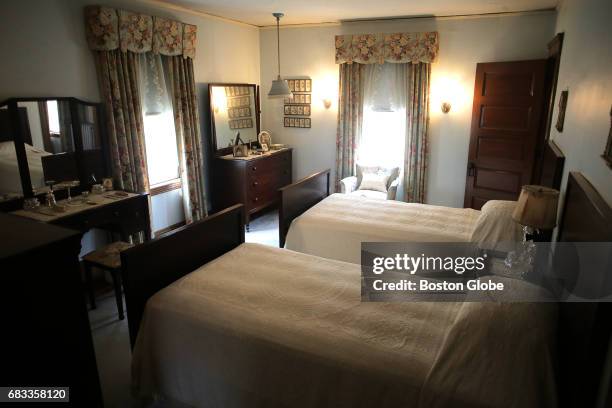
(351, 185)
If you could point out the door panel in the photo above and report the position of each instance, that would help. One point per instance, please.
(506, 122)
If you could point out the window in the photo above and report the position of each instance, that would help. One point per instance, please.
(384, 116)
(162, 152)
(53, 114)
(382, 140)
(158, 118)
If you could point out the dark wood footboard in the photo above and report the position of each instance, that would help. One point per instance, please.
(298, 197)
(150, 267)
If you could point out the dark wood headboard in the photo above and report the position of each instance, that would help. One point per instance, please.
(584, 328)
(150, 267)
(298, 197)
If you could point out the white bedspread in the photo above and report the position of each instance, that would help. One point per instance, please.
(263, 326)
(336, 227)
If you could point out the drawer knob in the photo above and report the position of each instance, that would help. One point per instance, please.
(256, 199)
(254, 168)
(255, 183)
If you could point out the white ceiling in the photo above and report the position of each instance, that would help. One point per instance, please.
(259, 12)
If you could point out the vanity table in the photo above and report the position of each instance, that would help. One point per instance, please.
(123, 213)
(252, 181)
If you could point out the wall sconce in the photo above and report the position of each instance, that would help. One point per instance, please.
(327, 103)
(446, 107)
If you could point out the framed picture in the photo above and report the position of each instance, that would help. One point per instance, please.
(562, 106)
(308, 85)
(286, 122)
(307, 110)
(307, 122)
(287, 109)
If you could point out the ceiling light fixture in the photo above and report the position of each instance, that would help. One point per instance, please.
(280, 87)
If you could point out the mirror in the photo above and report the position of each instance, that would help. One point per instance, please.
(50, 139)
(233, 108)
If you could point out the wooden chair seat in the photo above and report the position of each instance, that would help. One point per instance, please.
(108, 258)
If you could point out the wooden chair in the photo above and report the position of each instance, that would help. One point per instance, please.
(109, 259)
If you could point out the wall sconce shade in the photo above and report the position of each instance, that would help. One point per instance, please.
(537, 207)
(446, 107)
(327, 103)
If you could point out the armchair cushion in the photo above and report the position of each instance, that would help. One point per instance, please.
(392, 172)
(374, 181)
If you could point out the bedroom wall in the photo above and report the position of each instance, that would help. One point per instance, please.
(44, 51)
(309, 50)
(585, 72)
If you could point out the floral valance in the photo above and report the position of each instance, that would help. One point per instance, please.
(379, 48)
(108, 29)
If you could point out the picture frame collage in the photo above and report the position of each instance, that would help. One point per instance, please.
(239, 107)
(297, 108)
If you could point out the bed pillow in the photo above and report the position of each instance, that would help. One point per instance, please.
(495, 229)
(374, 182)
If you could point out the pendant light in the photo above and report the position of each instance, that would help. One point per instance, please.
(280, 88)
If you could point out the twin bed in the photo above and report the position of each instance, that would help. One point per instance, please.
(224, 323)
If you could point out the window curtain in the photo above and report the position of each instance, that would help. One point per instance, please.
(415, 52)
(116, 37)
(417, 126)
(384, 101)
(350, 119)
(187, 124)
(118, 76)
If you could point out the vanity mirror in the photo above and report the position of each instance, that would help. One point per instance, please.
(44, 140)
(233, 108)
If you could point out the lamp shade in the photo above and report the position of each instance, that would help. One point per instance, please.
(537, 207)
(279, 89)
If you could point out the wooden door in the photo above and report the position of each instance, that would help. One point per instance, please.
(506, 124)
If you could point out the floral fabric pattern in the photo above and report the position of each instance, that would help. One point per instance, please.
(135, 32)
(187, 126)
(118, 73)
(102, 28)
(350, 118)
(189, 40)
(378, 48)
(109, 29)
(417, 128)
(167, 37)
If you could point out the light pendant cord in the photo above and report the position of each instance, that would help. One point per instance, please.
(278, 17)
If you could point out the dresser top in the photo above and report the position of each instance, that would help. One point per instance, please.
(255, 156)
(94, 201)
(21, 235)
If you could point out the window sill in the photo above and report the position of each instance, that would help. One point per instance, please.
(165, 187)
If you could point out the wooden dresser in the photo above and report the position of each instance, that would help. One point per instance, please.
(252, 181)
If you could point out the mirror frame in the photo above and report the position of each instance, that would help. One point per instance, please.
(22, 161)
(213, 133)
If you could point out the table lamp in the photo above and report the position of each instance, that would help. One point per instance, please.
(535, 210)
